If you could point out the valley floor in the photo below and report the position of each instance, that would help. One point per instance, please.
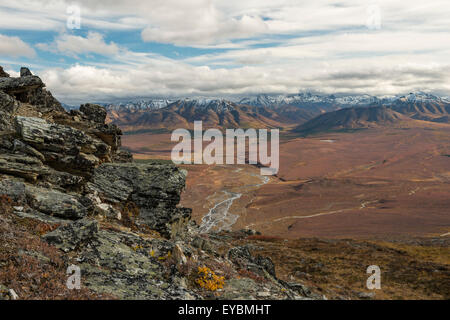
(375, 183)
(340, 202)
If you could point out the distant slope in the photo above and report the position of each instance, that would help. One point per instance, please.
(423, 106)
(312, 102)
(267, 111)
(351, 118)
(216, 113)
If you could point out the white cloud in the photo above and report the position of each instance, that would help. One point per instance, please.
(163, 77)
(15, 47)
(74, 45)
(266, 46)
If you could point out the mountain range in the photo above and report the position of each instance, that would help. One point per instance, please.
(269, 111)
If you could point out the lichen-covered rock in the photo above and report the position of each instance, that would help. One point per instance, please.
(129, 267)
(30, 89)
(21, 166)
(63, 147)
(7, 103)
(13, 189)
(8, 106)
(94, 112)
(53, 137)
(61, 180)
(55, 203)
(122, 156)
(25, 72)
(154, 188)
(109, 134)
(3, 74)
(15, 86)
(21, 147)
(43, 99)
(300, 288)
(72, 235)
(242, 257)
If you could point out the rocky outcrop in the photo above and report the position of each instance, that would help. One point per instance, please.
(3, 74)
(44, 200)
(55, 203)
(8, 106)
(63, 147)
(72, 235)
(25, 72)
(61, 157)
(30, 89)
(243, 259)
(94, 112)
(21, 166)
(14, 86)
(155, 189)
(118, 220)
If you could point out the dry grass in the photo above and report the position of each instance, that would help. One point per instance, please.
(338, 267)
(34, 269)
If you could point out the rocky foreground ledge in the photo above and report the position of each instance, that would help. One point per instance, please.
(70, 195)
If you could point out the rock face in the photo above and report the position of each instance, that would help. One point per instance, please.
(23, 84)
(155, 189)
(58, 158)
(3, 74)
(241, 256)
(118, 220)
(71, 236)
(30, 89)
(25, 72)
(94, 112)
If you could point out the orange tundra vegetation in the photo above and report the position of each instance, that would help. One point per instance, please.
(209, 280)
(29, 266)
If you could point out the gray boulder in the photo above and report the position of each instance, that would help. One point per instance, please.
(47, 201)
(44, 100)
(8, 105)
(46, 136)
(94, 112)
(13, 189)
(20, 85)
(242, 257)
(25, 72)
(53, 202)
(22, 166)
(64, 148)
(3, 74)
(154, 188)
(70, 236)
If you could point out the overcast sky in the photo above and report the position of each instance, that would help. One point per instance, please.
(175, 48)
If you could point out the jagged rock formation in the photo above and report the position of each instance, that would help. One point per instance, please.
(61, 157)
(118, 220)
(3, 74)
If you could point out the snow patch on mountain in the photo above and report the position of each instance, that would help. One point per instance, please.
(274, 101)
